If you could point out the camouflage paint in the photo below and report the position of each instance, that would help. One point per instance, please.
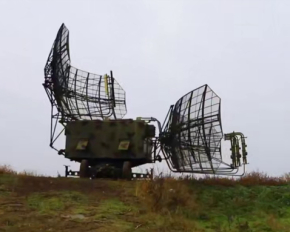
(122, 139)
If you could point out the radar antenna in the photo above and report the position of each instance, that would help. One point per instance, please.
(192, 132)
(75, 94)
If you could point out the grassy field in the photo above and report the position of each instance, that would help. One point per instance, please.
(255, 203)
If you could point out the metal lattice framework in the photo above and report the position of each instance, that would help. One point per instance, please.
(75, 94)
(80, 94)
(193, 132)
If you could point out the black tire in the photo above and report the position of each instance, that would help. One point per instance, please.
(84, 169)
(127, 170)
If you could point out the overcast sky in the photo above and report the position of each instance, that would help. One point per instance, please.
(158, 51)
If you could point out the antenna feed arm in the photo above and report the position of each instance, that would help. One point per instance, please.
(151, 119)
(236, 156)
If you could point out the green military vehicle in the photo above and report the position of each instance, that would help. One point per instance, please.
(123, 144)
(90, 109)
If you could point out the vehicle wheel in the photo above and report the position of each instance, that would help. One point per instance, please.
(118, 174)
(127, 171)
(84, 169)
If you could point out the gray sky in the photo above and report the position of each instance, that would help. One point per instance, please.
(158, 50)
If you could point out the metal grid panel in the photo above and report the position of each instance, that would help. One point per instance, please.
(195, 132)
(80, 94)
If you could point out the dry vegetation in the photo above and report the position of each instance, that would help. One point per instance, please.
(255, 202)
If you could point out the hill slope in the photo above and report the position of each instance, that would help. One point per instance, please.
(253, 203)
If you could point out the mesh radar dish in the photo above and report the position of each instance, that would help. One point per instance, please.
(91, 108)
(77, 94)
(192, 134)
(80, 94)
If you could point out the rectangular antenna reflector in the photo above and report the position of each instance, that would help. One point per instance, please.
(124, 145)
(82, 145)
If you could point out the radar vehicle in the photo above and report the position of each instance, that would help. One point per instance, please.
(90, 110)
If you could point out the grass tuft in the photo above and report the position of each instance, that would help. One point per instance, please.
(6, 169)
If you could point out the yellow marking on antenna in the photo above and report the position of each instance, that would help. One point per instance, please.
(106, 84)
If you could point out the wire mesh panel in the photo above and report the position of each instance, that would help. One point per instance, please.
(80, 94)
(194, 132)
